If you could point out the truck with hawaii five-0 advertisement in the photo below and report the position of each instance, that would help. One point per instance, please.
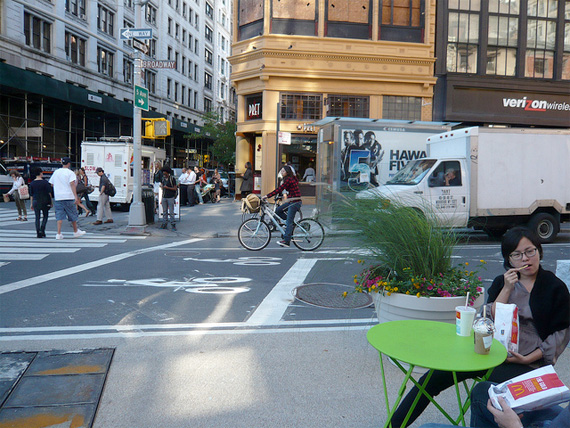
(489, 179)
(115, 156)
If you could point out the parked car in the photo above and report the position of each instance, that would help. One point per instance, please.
(5, 180)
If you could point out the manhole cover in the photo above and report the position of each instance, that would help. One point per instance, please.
(331, 296)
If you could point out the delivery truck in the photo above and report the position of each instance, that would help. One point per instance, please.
(115, 156)
(489, 179)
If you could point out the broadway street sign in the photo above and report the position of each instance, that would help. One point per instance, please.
(158, 64)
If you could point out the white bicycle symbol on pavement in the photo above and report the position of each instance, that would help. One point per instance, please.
(210, 285)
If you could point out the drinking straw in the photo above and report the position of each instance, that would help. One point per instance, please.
(467, 299)
(484, 311)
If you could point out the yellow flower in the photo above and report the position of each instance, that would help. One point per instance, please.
(395, 288)
(389, 293)
(466, 263)
(407, 292)
(355, 281)
(418, 294)
(345, 294)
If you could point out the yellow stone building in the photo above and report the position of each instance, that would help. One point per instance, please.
(296, 62)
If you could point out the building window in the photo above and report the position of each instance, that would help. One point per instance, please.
(463, 36)
(566, 53)
(75, 7)
(105, 60)
(169, 27)
(196, 72)
(250, 19)
(207, 105)
(75, 48)
(183, 35)
(127, 24)
(105, 20)
(151, 47)
(150, 81)
(196, 45)
(300, 106)
(195, 103)
(349, 19)
(189, 69)
(207, 80)
(401, 108)
(209, 11)
(129, 4)
(168, 88)
(541, 38)
(176, 87)
(502, 38)
(403, 20)
(184, 8)
(169, 53)
(348, 106)
(182, 65)
(150, 14)
(209, 56)
(176, 59)
(182, 94)
(208, 33)
(128, 70)
(37, 32)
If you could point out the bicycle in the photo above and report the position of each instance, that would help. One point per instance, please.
(278, 200)
(254, 234)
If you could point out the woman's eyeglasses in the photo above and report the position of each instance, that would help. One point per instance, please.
(529, 253)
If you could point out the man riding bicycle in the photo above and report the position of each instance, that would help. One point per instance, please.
(287, 210)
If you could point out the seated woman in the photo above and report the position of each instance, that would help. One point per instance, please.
(543, 303)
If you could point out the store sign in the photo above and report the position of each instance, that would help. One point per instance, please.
(509, 107)
(254, 110)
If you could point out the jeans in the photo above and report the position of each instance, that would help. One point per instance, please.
(199, 193)
(167, 209)
(88, 203)
(291, 208)
(41, 228)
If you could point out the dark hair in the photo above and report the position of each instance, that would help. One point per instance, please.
(36, 171)
(511, 241)
(15, 173)
(288, 171)
(248, 164)
(166, 169)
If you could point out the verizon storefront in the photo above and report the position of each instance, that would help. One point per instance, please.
(503, 102)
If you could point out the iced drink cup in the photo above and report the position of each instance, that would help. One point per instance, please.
(483, 330)
(464, 316)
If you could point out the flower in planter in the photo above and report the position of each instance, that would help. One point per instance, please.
(456, 281)
(410, 250)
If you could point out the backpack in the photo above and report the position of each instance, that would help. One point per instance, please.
(110, 189)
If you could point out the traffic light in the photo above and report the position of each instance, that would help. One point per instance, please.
(156, 128)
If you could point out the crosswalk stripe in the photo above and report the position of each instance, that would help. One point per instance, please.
(8, 250)
(21, 257)
(76, 240)
(32, 233)
(51, 243)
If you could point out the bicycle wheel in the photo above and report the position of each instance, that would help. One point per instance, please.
(308, 234)
(254, 234)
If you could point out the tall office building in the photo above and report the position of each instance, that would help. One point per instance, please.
(66, 71)
(295, 62)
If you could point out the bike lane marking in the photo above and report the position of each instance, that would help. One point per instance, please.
(272, 308)
(87, 266)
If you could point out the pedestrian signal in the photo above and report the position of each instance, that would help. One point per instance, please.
(156, 128)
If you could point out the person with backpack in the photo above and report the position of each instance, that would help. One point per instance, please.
(169, 193)
(105, 190)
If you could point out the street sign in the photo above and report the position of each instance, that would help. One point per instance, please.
(141, 98)
(139, 33)
(137, 44)
(284, 137)
(158, 64)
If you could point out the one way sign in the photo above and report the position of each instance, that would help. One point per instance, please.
(139, 33)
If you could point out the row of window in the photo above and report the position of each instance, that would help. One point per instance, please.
(521, 38)
(310, 106)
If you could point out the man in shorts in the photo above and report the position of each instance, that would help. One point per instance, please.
(65, 196)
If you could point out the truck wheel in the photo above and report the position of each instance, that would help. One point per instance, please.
(545, 225)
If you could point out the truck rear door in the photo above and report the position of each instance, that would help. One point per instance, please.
(449, 192)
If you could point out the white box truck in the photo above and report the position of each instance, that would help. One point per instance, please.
(115, 156)
(490, 179)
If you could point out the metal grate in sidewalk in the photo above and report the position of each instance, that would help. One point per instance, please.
(327, 295)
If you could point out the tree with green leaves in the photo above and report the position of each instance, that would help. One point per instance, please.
(223, 148)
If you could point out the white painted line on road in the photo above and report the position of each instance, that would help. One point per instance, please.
(87, 266)
(4, 263)
(40, 249)
(272, 308)
(20, 257)
(9, 223)
(32, 233)
(76, 240)
(52, 244)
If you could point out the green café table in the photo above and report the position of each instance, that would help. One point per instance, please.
(435, 346)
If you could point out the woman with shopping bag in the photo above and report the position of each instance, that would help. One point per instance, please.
(19, 192)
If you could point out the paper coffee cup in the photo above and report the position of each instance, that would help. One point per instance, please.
(464, 316)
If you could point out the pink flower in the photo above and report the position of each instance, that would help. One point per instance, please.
(430, 287)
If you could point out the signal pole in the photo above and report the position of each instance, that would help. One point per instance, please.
(137, 212)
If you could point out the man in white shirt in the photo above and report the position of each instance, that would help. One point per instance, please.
(191, 186)
(65, 196)
(183, 182)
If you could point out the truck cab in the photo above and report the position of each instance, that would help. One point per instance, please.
(438, 186)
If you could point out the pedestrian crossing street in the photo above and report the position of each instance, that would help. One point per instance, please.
(17, 244)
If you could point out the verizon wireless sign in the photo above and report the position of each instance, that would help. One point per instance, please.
(534, 104)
